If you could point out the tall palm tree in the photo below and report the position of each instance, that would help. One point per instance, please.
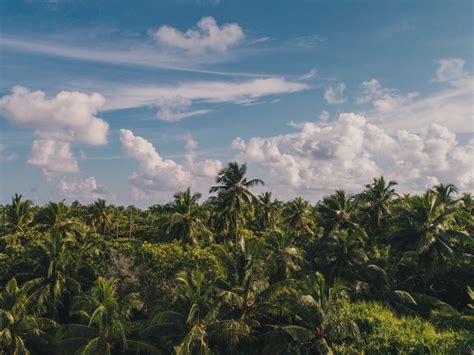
(427, 227)
(377, 199)
(18, 213)
(185, 216)
(234, 194)
(190, 323)
(338, 211)
(20, 323)
(297, 217)
(378, 284)
(445, 192)
(55, 270)
(101, 217)
(56, 216)
(342, 255)
(266, 211)
(315, 318)
(284, 258)
(105, 322)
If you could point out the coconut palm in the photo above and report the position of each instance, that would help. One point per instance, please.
(266, 211)
(445, 192)
(101, 217)
(297, 217)
(105, 322)
(21, 325)
(378, 284)
(428, 228)
(284, 258)
(315, 318)
(19, 213)
(376, 199)
(190, 323)
(185, 218)
(55, 270)
(234, 195)
(338, 211)
(342, 255)
(56, 216)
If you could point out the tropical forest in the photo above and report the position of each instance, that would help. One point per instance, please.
(374, 272)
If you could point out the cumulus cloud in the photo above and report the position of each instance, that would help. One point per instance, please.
(159, 175)
(84, 189)
(208, 37)
(174, 101)
(69, 116)
(383, 99)
(334, 94)
(449, 69)
(349, 152)
(54, 157)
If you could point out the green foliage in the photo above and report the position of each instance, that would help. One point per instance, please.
(384, 332)
(370, 273)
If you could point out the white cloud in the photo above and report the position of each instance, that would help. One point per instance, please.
(84, 189)
(451, 107)
(334, 94)
(173, 109)
(349, 152)
(53, 157)
(311, 41)
(309, 75)
(207, 37)
(449, 69)
(138, 55)
(157, 175)
(69, 116)
(324, 116)
(383, 99)
(174, 101)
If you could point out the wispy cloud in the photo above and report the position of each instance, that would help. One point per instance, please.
(175, 98)
(143, 56)
(311, 41)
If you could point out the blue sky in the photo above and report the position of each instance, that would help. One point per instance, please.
(133, 102)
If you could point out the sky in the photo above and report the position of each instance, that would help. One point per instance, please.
(132, 102)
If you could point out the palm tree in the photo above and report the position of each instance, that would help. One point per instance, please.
(428, 228)
(234, 194)
(18, 213)
(101, 217)
(56, 268)
(445, 192)
(56, 216)
(297, 217)
(377, 199)
(380, 285)
(266, 211)
(342, 255)
(20, 323)
(105, 322)
(192, 325)
(185, 218)
(315, 318)
(338, 211)
(284, 258)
